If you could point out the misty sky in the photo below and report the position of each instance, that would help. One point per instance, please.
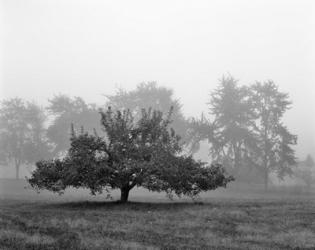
(89, 48)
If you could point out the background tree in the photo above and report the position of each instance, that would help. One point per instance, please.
(245, 130)
(66, 111)
(305, 171)
(150, 95)
(143, 152)
(229, 132)
(232, 113)
(22, 133)
(274, 141)
(199, 130)
(309, 162)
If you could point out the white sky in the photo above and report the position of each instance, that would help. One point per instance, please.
(87, 48)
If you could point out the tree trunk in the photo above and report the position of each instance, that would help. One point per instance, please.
(124, 194)
(17, 171)
(236, 159)
(266, 177)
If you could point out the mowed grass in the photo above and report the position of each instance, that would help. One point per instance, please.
(226, 221)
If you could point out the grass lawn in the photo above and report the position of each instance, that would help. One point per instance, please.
(227, 221)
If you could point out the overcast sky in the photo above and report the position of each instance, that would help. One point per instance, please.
(89, 48)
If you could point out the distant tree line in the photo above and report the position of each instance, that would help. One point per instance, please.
(29, 132)
(244, 126)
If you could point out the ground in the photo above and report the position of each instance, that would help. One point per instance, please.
(223, 219)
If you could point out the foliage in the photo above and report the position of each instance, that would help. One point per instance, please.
(150, 95)
(229, 104)
(22, 133)
(197, 131)
(133, 153)
(66, 111)
(246, 132)
(229, 132)
(274, 141)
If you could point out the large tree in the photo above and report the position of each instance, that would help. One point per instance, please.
(134, 152)
(22, 133)
(65, 111)
(150, 95)
(273, 140)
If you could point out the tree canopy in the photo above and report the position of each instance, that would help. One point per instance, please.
(150, 95)
(134, 152)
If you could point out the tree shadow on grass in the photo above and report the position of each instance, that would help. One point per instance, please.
(116, 205)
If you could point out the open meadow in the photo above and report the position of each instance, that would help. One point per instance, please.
(222, 219)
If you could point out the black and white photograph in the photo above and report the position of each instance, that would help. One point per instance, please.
(170, 124)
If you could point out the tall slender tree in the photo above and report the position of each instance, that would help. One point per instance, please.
(229, 131)
(230, 107)
(274, 141)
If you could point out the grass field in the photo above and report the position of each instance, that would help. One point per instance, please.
(222, 219)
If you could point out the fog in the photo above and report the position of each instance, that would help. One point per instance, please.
(90, 48)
